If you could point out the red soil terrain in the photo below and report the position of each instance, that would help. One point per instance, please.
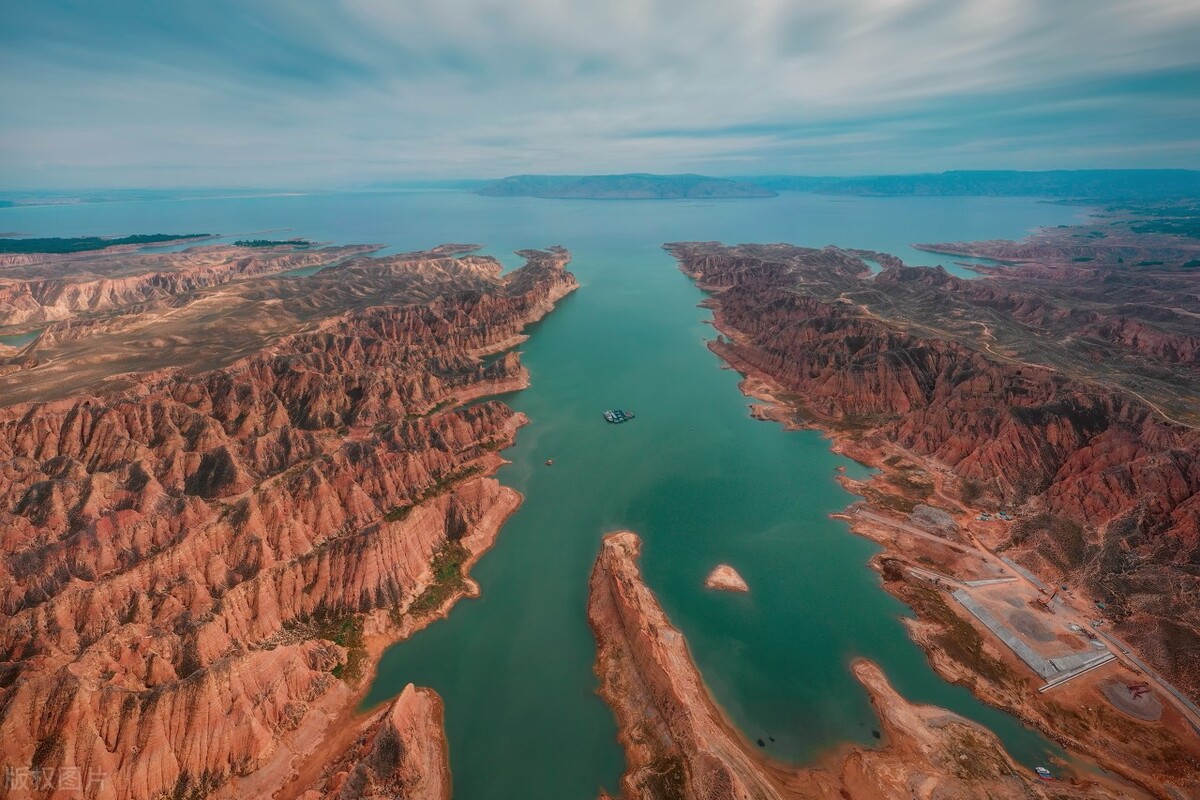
(1106, 487)
(197, 570)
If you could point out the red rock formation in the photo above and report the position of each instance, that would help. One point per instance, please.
(1062, 447)
(401, 755)
(190, 566)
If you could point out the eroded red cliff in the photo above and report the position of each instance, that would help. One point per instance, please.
(401, 755)
(1107, 486)
(193, 569)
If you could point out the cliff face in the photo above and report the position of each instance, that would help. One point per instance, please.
(1109, 489)
(679, 745)
(401, 755)
(191, 568)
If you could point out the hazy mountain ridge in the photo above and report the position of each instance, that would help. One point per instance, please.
(634, 186)
(1106, 184)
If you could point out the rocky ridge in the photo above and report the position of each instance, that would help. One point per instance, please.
(401, 755)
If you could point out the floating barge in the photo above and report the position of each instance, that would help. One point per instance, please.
(616, 416)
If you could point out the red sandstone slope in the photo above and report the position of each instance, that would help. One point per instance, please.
(401, 755)
(190, 567)
(1110, 490)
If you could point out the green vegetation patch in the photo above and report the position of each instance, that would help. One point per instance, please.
(346, 631)
(447, 565)
(1188, 226)
(970, 491)
(913, 482)
(272, 243)
(958, 638)
(891, 502)
(977, 758)
(439, 407)
(398, 513)
(80, 244)
(667, 778)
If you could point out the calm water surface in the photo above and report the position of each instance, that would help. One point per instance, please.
(697, 477)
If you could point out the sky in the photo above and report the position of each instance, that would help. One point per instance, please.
(279, 93)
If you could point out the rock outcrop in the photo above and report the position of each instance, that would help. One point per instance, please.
(401, 755)
(194, 570)
(679, 744)
(726, 579)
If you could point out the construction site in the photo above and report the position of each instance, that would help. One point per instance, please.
(1026, 622)
(1060, 638)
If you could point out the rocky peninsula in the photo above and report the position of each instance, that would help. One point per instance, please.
(679, 744)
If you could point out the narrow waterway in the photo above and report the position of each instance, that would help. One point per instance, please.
(697, 477)
(702, 483)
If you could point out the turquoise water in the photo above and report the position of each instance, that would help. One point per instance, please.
(697, 477)
(19, 340)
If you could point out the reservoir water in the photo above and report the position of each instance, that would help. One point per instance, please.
(700, 480)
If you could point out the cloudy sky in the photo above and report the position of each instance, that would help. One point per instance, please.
(327, 92)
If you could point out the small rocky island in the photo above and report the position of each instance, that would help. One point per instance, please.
(726, 579)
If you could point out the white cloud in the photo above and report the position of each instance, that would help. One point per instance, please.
(283, 92)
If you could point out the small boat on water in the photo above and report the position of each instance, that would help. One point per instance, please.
(1043, 773)
(616, 416)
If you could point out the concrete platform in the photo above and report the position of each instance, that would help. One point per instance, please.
(1054, 670)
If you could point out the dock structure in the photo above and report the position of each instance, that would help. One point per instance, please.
(1055, 671)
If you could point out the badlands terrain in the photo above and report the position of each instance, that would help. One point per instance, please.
(233, 490)
(1035, 426)
(232, 475)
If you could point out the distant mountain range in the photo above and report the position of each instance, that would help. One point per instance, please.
(637, 186)
(1107, 185)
